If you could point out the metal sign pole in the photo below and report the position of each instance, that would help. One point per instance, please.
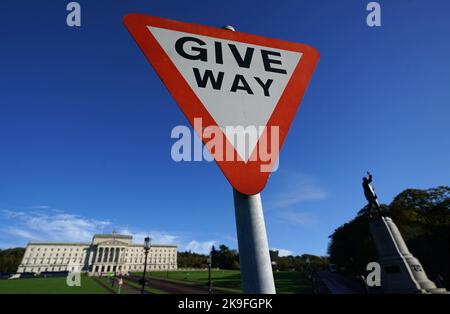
(256, 268)
(254, 257)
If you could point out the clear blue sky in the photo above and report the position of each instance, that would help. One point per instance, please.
(85, 122)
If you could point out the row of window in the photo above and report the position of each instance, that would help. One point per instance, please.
(41, 269)
(97, 268)
(56, 249)
(80, 260)
(109, 268)
(52, 261)
(152, 250)
(52, 255)
(151, 253)
(29, 257)
(138, 267)
(161, 260)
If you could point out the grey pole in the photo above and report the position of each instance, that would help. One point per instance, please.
(254, 257)
(256, 268)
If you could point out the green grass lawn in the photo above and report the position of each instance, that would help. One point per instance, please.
(50, 285)
(292, 282)
(230, 280)
(223, 280)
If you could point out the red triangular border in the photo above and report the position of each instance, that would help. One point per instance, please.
(244, 177)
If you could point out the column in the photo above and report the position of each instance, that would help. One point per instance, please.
(111, 254)
(99, 254)
(90, 259)
(91, 256)
(116, 255)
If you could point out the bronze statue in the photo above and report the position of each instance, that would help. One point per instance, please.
(370, 195)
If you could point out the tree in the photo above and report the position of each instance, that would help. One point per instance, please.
(10, 259)
(298, 263)
(223, 258)
(226, 258)
(214, 257)
(191, 260)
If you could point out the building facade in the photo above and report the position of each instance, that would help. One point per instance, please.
(106, 253)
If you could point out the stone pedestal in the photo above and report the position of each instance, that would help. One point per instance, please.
(401, 272)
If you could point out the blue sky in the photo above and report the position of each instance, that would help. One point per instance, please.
(85, 122)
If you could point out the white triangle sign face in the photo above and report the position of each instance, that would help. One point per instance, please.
(233, 81)
(250, 105)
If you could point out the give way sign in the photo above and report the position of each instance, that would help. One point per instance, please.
(240, 92)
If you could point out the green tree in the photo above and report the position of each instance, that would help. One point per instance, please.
(10, 259)
(223, 258)
(214, 257)
(191, 260)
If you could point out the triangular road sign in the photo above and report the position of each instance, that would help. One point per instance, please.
(240, 92)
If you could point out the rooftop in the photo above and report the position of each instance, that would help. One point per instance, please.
(57, 243)
(114, 235)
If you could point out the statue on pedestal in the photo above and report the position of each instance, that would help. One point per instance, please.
(370, 195)
(401, 272)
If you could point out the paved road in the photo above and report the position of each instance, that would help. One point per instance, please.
(126, 289)
(339, 284)
(175, 287)
(131, 290)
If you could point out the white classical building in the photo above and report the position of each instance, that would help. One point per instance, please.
(106, 253)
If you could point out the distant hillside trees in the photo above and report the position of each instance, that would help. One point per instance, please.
(226, 258)
(223, 258)
(423, 218)
(191, 260)
(10, 259)
(305, 262)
